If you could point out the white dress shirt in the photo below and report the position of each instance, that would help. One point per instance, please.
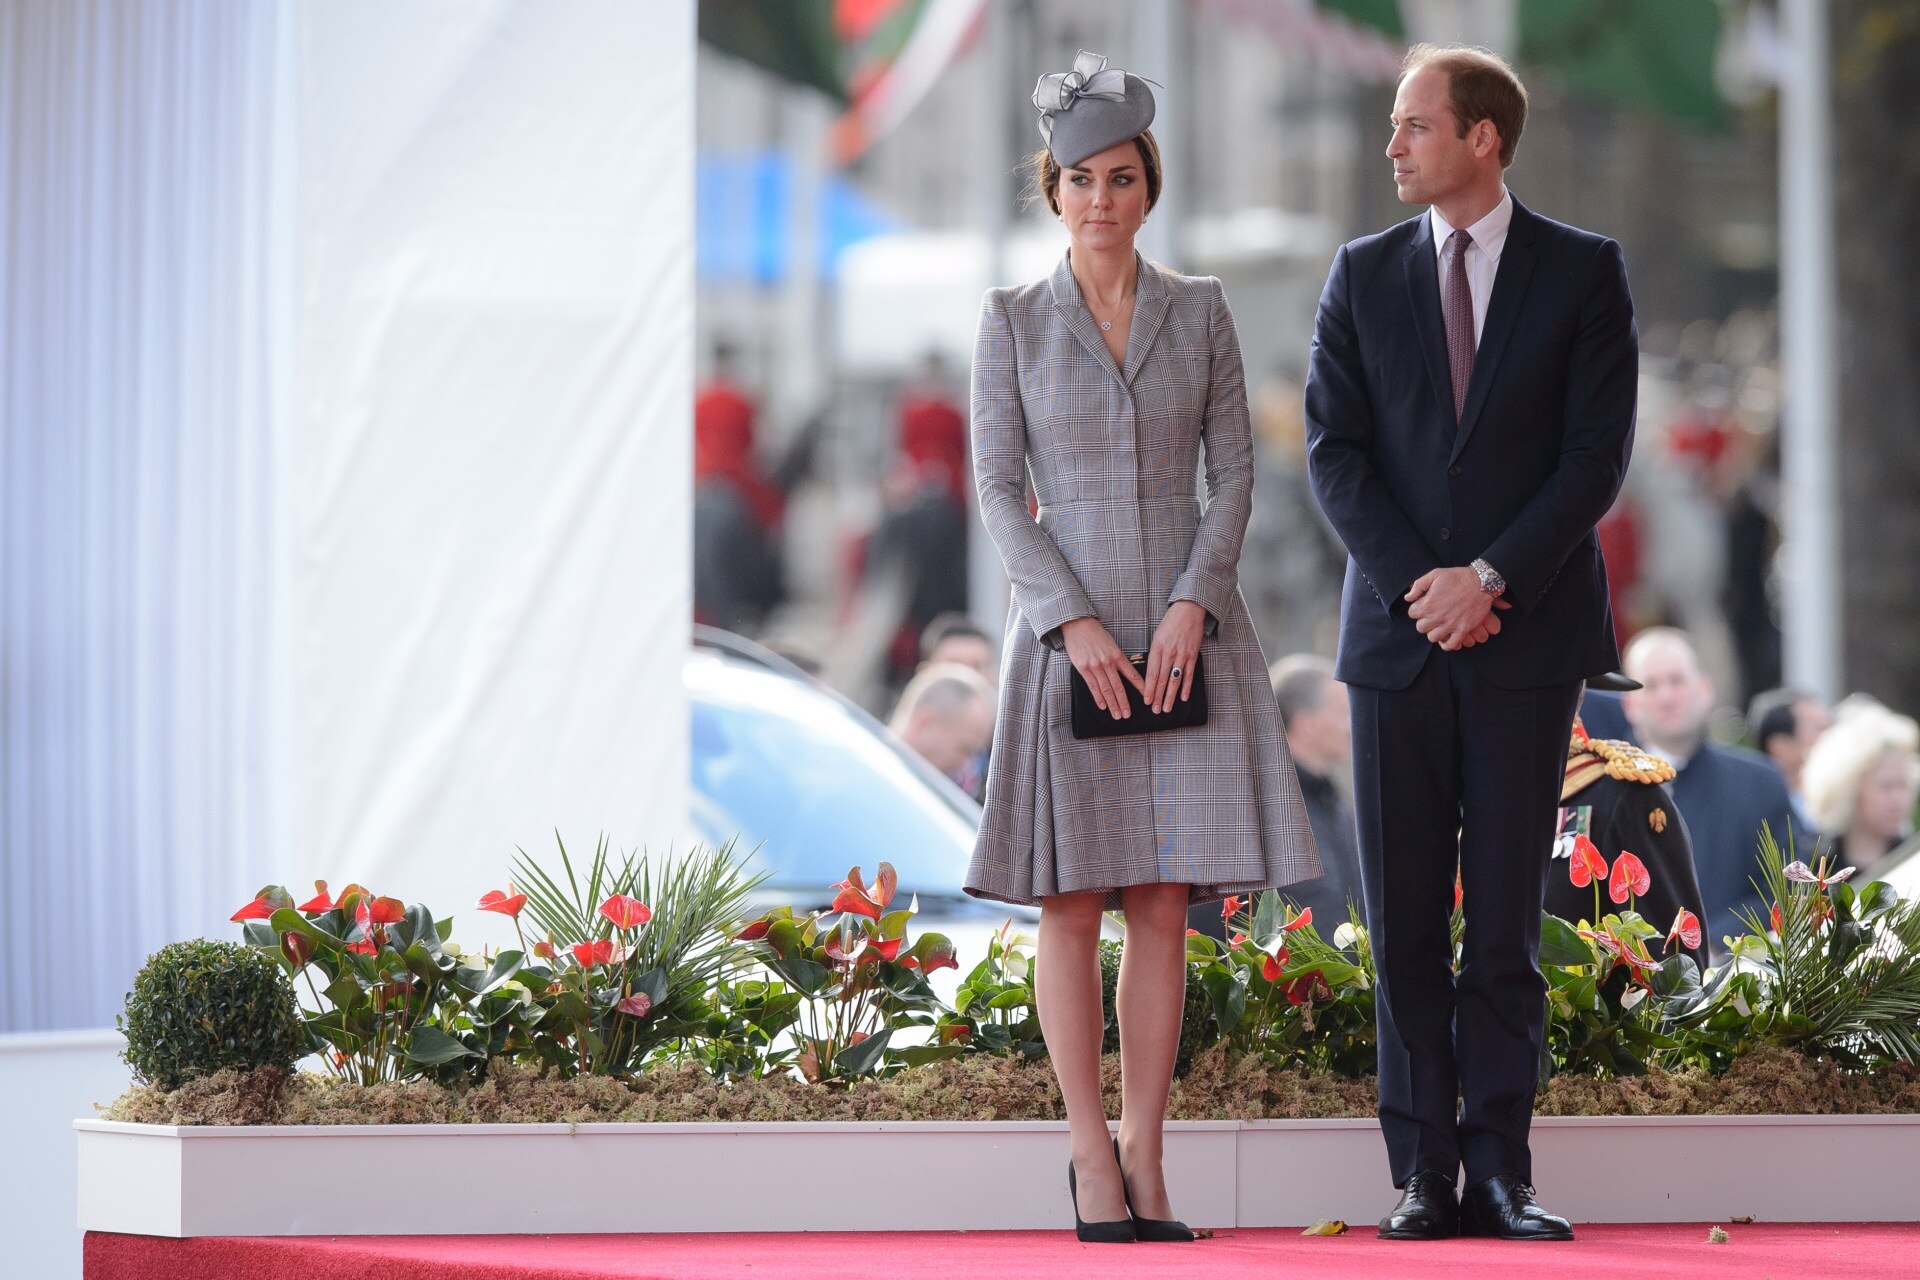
(1483, 255)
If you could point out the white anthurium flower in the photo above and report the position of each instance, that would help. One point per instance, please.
(1348, 936)
(1633, 997)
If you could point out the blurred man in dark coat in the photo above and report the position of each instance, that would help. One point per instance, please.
(1726, 794)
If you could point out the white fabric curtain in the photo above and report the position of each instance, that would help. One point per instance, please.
(144, 293)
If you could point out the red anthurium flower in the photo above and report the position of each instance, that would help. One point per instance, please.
(1299, 922)
(1775, 918)
(1231, 907)
(1459, 894)
(955, 1031)
(753, 932)
(836, 948)
(501, 903)
(1193, 933)
(626, 913)
(853, 898)
(1308, 987)
(319, 903)
(376, 911)
(1686, 930)
(259, 909)
(1238, 938)
(1586, 865)
(888, 948)
(298, 948)
(1270, 969)
(545, 950)
(939, 956)
(589, 954)
(366, 947)
(885, 884)
(1629, 878)
(636, 1004)
(913, 962)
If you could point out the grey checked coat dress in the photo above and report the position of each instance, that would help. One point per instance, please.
(1113, 454)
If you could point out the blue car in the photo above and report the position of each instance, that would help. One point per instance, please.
(816, 786)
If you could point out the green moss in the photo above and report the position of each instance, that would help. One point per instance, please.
(1217, 1087)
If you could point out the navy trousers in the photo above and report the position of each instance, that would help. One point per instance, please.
(1456, 772)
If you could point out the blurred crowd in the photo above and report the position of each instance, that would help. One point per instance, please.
(1690, 549)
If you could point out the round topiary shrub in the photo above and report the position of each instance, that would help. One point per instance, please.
(198, 1007)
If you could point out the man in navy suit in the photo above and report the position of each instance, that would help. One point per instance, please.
(1726, 794)
(1470, 404)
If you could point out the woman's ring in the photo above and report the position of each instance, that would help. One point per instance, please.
(1176, 673)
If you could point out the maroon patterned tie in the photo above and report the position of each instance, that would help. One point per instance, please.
(1457, 304)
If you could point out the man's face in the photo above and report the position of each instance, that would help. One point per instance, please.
(1672, 708)
(968, 651)
(948, 739)
(1431, 161)
(1323, 737)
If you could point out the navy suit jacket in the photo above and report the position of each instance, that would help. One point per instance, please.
(1536, 460)
(1727, 794)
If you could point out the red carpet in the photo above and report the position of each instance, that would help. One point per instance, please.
(1768, 1251)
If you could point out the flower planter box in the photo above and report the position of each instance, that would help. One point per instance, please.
(340, 1180)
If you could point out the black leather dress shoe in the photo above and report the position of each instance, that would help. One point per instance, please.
(1427, 1210)
(1503, 1206)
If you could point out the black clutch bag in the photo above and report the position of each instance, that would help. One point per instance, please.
(1089, 721)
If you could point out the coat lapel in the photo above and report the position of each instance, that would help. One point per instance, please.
(1150, 302)
(1073, 310)
(1423, 296)
(1517, 257)
(1149, 309)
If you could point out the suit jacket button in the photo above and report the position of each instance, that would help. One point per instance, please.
(1453, 470)
(1445, 534)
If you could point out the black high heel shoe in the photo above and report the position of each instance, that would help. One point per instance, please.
(1118, 1231)
(1153, 1230)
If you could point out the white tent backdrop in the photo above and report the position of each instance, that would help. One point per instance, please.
(492, 462)
(346, 367)
(345, 380)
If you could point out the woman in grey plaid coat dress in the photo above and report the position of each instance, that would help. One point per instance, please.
(1104, 381)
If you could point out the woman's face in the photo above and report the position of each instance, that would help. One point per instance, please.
(1886, 798)
(1103, 199)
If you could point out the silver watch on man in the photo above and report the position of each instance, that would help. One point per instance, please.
(1490, 580)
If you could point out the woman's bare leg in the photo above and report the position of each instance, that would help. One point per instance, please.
(1066, 984)
(1153, 990)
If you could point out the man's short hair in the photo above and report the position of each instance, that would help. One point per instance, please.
(1480, 86)
(945, 688)
(1655, 636)
(1770, 715)
(946, 626)
(1300, 683)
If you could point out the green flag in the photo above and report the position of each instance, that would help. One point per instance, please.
(791, 38)
(1648, 55)
(1644, 55)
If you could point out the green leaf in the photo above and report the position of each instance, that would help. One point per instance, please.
(921, 1055)
(859, 1059)
(430, 1046)
(1561, 945)
(1016, 998)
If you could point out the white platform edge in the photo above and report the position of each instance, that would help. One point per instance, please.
(284, 1180)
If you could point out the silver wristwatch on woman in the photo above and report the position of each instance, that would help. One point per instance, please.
(1490, 580)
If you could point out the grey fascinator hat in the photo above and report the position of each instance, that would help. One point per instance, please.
(1090, 108)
